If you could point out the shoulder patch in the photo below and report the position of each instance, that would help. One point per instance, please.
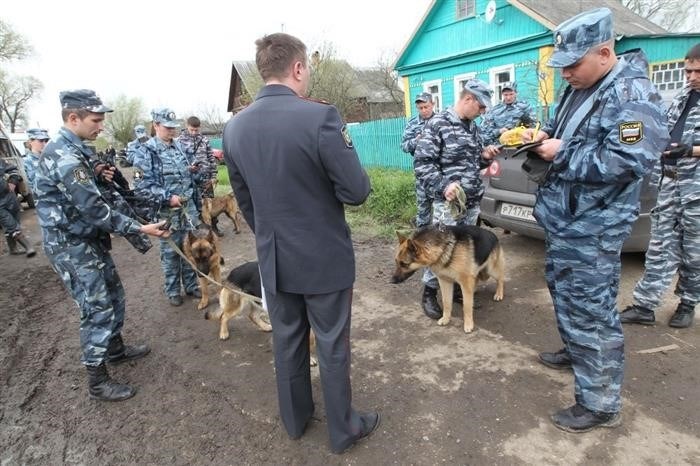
(138, 174)
(81, 176)
(346, 136)
(631, 132)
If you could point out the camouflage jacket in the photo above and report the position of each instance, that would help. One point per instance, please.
(686, 167)
(31, 160)
(414, 127)
(609, 144)
(131, 149)
(161, 171)
(198, 149)
(450, 150)
(506, 116)
(69, 204)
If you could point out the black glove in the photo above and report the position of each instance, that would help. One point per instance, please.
(681, 150)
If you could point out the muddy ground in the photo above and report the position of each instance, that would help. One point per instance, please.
(445, 397)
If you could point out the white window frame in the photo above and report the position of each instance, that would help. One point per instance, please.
(661, 75)
(459, 78)
(496, 98)
(437, 96)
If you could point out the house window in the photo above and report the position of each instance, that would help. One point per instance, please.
(435, 89)
(668, 76)
(498, 77)
(459, 81)
(465, 8)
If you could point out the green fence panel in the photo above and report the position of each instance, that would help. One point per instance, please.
(378, 143)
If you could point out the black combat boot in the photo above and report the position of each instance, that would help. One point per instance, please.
(578, 418)
(215, 227)
(26, 244)
(102, 387)
(118, 352)
(636, 314)
(12, 246)
(431, 307)
(683, 317)
(559, 360)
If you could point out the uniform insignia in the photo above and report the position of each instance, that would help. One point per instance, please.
(138, 174)
(631, 132)
(558, 39)
(81, 175)
(346, 136)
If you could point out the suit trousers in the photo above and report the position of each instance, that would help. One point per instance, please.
(292, 316)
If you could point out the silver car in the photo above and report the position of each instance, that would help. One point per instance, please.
(509, 199)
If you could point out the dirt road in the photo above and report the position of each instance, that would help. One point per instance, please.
(445, 397)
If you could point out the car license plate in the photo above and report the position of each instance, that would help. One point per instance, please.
(517, 211)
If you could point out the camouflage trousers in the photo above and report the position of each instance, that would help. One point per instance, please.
(9, 215)
(178, 273)
(442, 215)
(90, 277)
(424, 206)
(583, 276)
(674, 246)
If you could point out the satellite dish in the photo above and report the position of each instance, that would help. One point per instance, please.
(490, 11)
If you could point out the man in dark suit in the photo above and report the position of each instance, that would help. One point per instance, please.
(292, 166)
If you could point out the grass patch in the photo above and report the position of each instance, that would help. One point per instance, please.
(223, 186)
(390, 206)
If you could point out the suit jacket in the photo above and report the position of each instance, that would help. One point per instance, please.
(292, 167)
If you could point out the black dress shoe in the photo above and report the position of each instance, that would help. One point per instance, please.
(195, 294)
(637, 315)
(370, 422)
(559, 360)
(577, 419)
(431, 308)
(683, 317)
(175, 300)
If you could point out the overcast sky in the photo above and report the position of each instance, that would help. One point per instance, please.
(179, 54)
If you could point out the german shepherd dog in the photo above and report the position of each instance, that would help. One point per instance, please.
(201, 247)
(212, 207)
(245, 277)
(456, 254)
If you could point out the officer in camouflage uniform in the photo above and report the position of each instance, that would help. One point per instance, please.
(608, 131)
(9, 210)
(411, 136)
(510, 113)
(675, 230)
(133, 146)
(449, 156)
(197, 148)
(76, 224)
(165, 175)
(37, 141)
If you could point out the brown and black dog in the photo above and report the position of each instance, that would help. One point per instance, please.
(201, 247)
(245, 277)
(212, 207)
(456, 254)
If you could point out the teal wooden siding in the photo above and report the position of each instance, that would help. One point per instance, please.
(660, 49)
(443, 36)
(378, 143)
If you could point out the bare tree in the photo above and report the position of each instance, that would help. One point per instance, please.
(12, 45)
(388, 79)
(119, 125)
(213, 117)
(669, 14)
(332, 80)
(15, 94)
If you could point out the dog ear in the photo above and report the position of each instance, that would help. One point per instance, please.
(401, 236)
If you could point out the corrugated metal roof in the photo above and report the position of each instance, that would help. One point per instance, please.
(552, 13)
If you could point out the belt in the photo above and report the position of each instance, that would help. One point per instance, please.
(670, 173)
